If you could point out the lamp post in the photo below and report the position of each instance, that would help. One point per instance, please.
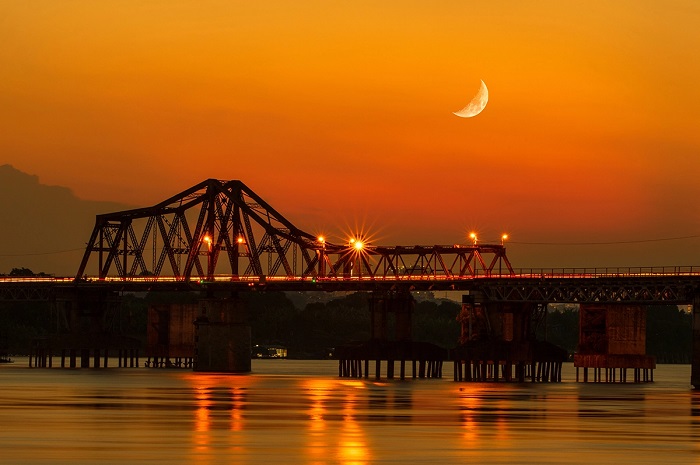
(321, 257)
(504, 238)
(210, 272)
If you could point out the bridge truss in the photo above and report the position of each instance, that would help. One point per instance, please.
(222, 230)
(661, 288)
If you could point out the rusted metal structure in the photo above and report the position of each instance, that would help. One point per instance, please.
(222, 228)
(612, 340)
(391, 342)
(220, 238)
(86, 335)
(497, 343)
(171, 335)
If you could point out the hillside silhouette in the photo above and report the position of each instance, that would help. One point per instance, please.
(44, 228)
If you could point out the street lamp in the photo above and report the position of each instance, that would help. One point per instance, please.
(321, 256)
(504, 238)
(210, 271)
(207, 239)
(473, 237)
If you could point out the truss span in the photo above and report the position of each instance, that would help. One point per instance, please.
(223, 230)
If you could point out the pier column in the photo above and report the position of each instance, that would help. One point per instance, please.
(695, 370)
(222, 336)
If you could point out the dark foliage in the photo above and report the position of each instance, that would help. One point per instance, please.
(561, 329)
(669, 334)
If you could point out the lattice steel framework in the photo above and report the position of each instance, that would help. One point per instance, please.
(222, 229)
(643, 290)
(26, 291)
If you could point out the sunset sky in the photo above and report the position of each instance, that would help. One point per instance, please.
(340, 114)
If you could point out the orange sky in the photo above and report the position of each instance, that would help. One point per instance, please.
(340, 113)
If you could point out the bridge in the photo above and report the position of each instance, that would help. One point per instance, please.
(221, 237)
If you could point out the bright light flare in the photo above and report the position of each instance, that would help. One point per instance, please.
(472, 236)
(504, 237)
(358, 244)
(240, 240)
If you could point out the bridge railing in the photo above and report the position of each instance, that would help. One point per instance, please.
(525, 273)
(612, 272)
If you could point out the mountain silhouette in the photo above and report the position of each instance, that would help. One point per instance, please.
(44, 228)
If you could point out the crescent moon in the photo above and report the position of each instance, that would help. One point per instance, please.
(476, 105)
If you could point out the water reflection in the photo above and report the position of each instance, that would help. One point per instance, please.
(218, 405)
(353, 445)
(318, 392)
(167, 417)
(334, 432)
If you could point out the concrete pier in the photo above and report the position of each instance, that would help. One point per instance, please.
(222, 336)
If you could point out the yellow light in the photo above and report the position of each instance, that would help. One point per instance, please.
(352, 241)
(207, 239)
(359, 245)
(473, 237)
(321, 239)
(504, 238)
(240, 240)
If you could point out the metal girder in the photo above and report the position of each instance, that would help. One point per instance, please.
(585, 290)
(229, 217)
(232, 219)
(29, 291)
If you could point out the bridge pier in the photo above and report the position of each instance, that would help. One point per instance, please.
(391, 346)
(222, 336)
(497, 344)
(170, 337)
(85, 330)
(695, 370)
(612, 338)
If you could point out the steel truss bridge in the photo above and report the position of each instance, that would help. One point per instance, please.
(222, 236)
(635, 285)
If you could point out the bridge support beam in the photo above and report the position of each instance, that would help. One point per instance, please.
(612, 337)
(86, 327)
(222, 336)
(497, 344)
(391, 341)
(695, 370)
(400, 304)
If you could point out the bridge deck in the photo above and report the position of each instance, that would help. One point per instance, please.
(675, 285)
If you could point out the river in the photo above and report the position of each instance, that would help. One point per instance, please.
(300, 412)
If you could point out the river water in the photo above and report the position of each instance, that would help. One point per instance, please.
(300, 412)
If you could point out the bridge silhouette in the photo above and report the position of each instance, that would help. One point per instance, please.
(220, 236)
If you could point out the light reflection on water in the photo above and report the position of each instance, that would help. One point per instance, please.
(300, 412)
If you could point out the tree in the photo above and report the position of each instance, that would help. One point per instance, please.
(21, 272)
(669, 334)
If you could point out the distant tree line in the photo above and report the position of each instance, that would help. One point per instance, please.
(24, 272)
